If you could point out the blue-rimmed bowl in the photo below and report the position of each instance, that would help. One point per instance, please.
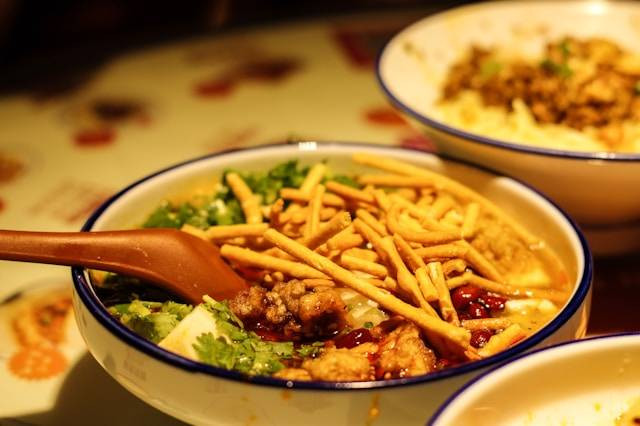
(585, 382)
(203, 394)
(599, 189)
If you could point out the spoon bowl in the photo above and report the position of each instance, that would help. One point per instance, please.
(174, 260)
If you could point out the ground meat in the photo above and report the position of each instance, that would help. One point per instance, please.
(400, 353)
(290, 293)
(276, 312)
(322, 312)
(292, 311)
(249, 304)
(579, 83)
(265, 313)
(403, 353)
(340, 365)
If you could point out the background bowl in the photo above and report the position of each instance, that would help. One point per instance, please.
(586, 382)
(203, 394)
(599, 189)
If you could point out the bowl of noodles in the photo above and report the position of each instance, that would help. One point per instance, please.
(548, 92)
(381, 280)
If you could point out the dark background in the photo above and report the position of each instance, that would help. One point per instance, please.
(59, 40)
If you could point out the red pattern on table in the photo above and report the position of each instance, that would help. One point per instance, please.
(232, 139)
(94, 137)
(269, 70)
(10, 167)
(409, 137)
(96, 120)
(417, 140)
(386, 116)
(361, 41)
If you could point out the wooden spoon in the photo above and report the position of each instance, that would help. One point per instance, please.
(174, 260)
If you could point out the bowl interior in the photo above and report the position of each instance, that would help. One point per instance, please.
(132, 206)
(585, 382)
(540, 217)
(414, 63)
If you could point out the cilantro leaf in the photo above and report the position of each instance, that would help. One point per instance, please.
(163, 216)
(310, 351)
(490, 68)
(221, 207)
(151, 320)
(565, 49)
(268, 185)
(560, 69)
(216, 352)
(180, 310)
(237, 349)
(345, 180)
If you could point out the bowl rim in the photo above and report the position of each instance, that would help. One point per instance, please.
(630, 335)
(118, 330)
(386, 86)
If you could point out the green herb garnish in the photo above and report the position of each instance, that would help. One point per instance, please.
(561, 69)
(345, 180)
(238, 349)
(151, 320)
(565, 49)
(490, 68)
(222, 208)
(268, 185)
(312, 350)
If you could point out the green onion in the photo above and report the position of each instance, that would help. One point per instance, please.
(490, 68)
(565, 49)
(561, 70)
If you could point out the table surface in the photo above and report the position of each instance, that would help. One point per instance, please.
(64, 152)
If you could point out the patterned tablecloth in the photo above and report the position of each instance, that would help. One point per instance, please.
(62, 154)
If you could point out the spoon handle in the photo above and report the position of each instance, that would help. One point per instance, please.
(174, 260)
(107, 250)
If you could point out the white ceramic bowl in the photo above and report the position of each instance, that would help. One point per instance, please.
(586, 382)
(599, 189)
(203, 394)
